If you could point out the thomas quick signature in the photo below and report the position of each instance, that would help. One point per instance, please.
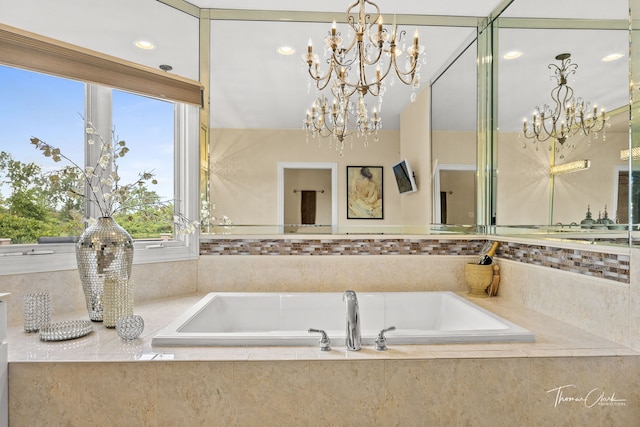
(591, 399)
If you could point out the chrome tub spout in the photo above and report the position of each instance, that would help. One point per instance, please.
(353, 340)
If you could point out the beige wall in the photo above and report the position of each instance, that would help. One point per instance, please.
(524, 184)
(593, 187)
(451, 147)
(415, 137)
(523, 175)
(244, 166)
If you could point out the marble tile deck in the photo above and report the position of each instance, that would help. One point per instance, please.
(553, 339)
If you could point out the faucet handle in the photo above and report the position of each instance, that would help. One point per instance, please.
(325, 341)
(381, 341)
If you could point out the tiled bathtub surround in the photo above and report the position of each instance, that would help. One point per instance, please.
(340, 247)
(591, 263)
(412, 385)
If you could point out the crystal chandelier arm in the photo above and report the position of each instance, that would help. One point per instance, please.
(360, 59)
(376, 33)
(538, 125)
(562, 95)
(363, 85)
(321, 80)
(542, 130)
(376, 37)
(407, 77)
(376, 57)
(316, 120)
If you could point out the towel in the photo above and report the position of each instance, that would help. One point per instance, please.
(308, 207)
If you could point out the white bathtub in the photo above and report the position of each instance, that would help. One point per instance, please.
(283, 319)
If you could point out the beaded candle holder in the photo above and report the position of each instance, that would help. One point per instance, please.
(130, 327)
(117, 300)
(68, 330)
(37, 311)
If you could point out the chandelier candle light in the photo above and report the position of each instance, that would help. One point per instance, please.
(360, 68)
(569, 116)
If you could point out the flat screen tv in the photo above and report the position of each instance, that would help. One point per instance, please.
(404, 177)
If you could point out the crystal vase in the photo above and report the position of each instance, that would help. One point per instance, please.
(104, 251)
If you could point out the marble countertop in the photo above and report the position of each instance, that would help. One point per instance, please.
(553, 339)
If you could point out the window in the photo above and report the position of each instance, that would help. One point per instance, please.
(157, 133)
(146, 126)
(47, 107)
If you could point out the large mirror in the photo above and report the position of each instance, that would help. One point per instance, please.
(453, 139)
(259, 98)
(529, 190)
(436, 133)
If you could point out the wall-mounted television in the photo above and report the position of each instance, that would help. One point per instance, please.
(404, 177)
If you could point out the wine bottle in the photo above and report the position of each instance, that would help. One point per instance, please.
(488, 257)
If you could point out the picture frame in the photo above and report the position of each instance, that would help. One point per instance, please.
(365, 196)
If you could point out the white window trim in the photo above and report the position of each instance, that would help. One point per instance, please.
(36, 258)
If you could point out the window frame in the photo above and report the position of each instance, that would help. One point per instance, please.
(19, 258)
(33, 52)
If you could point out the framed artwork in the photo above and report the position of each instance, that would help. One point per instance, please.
(364, 192)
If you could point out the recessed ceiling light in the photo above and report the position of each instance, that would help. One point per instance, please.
(512, 55)
(144, 44)
(612, 57)
(286, 50)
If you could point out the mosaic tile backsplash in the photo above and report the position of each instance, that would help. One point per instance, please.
(591, 263)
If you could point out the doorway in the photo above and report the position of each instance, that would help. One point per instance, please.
(305, 187)
(454, 194)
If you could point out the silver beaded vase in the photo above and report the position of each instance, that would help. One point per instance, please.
(104, 250)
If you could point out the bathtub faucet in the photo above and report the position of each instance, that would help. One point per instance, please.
(353, 340)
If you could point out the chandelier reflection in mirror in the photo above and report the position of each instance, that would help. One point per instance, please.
(359, 68)
(570, 116)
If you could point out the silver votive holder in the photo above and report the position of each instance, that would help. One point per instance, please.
(67, 330)
(37, 311)
(130, 327)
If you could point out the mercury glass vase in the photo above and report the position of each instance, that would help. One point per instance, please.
(104, 250)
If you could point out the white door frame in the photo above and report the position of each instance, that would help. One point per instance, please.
(437, 218)
(309, 165)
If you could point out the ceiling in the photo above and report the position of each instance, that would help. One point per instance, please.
(254, 86)
(412, 7)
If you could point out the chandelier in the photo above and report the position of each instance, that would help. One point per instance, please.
(359, 68)
(569, 116)
(340, 120)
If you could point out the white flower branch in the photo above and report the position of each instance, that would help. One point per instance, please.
(103, 180)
